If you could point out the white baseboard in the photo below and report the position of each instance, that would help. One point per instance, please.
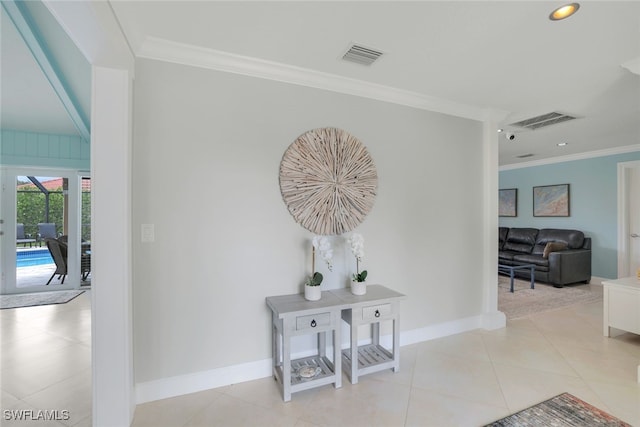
(198, 381)
(493, 321)
(444, 329)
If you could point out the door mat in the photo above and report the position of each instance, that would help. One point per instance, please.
(561, 411)
(37, 298)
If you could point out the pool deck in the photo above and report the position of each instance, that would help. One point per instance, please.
(38, 275)
(28, 249)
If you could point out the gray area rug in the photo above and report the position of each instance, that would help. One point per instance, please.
(37, 298)
(564, 410)
(525, 301)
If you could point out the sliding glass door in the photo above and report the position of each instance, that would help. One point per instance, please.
(42, 238)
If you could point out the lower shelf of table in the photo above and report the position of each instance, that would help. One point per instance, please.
(368, 356)
(327, 371)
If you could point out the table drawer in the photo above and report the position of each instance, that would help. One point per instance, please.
(313, 321)
(374, 312)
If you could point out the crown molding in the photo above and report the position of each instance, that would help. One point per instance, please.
(196, 56)
(572, 157)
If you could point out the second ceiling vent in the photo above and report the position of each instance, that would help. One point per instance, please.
(543, 120)
(361, 55)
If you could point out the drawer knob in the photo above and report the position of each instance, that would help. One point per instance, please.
(313, 323)
(377, 313)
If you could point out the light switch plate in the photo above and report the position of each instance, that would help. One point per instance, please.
(148, 233)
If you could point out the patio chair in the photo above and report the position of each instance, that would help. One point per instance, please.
(85, 264)
(58, 252)
(47, 230)
(85, 256)
(23, 238)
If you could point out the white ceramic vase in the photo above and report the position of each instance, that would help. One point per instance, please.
(358, 288)
(312, 293)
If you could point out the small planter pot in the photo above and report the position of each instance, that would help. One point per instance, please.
(358, 288)
(312, 293)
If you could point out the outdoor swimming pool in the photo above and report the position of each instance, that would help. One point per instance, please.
(33, 257)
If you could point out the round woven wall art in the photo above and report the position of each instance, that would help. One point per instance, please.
(328, 181)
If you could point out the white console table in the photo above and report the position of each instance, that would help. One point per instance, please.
(379, 304)
(622, 306)
(292, 315)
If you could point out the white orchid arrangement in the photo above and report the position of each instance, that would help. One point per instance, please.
(356, 241)
(323, 246)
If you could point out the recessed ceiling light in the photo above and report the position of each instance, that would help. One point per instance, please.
(500, 130)
(564, 11)
(562, 144)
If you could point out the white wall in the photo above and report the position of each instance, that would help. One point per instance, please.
(206, 153)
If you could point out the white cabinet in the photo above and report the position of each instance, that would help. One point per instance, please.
(622, 306)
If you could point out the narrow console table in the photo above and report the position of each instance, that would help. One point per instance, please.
(379, 304)
(292, 315)
(622, 306)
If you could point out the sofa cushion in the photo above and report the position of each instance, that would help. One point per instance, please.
(553, 247)
(574, 239)
(542, 264)
(521, 240)
(506, 255)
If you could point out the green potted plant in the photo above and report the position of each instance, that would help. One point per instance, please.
(312, 290)
(358, 285)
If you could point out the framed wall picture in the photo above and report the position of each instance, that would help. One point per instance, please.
(508, 202)
(551, 200)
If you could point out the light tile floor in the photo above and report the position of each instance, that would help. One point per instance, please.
(467, 379)
(45, 362)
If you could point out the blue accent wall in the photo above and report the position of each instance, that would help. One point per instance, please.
(20, 148)
(593, 202)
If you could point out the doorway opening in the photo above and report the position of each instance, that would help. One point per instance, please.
(51, 249)
(628, 218)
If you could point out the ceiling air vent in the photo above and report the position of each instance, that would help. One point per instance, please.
(543, 120)
(361, 55)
